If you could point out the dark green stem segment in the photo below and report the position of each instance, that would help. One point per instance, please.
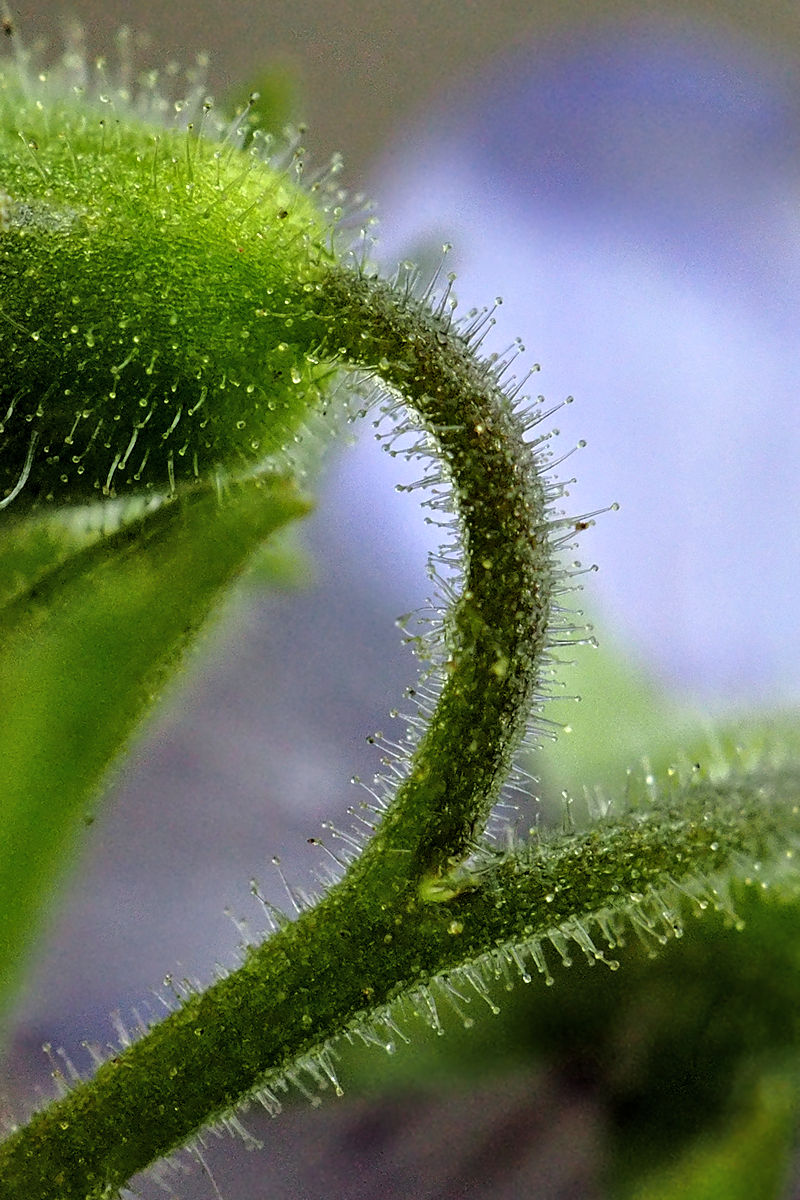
(497, 631)
(279, 1003)
(360, 948)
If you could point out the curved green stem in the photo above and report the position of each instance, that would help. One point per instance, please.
(418, 906)
(165, 1087)
(497, 630)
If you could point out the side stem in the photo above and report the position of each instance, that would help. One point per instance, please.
(497, 631)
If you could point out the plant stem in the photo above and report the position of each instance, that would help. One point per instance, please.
(496, 633)
(325, 973)
(413, 908)
(494, 640)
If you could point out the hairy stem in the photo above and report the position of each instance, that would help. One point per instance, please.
(416, 907)
(359, 949)
(497, 630)
(281, 1002)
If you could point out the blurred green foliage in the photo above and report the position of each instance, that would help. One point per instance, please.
(91, 628)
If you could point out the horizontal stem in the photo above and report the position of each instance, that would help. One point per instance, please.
(355, 952)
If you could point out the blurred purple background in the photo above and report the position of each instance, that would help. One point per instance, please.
(634, 200)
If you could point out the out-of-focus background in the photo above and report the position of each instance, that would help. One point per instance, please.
(627, 178)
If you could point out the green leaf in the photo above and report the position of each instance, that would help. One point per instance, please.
(91, 628)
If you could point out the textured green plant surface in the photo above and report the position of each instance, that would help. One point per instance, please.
(108, 389)
(176, 306)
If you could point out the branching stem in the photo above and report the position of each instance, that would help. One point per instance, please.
(284, 1000)
(413, 908)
